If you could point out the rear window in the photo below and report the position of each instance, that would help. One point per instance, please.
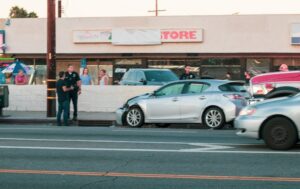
(233, 87)
(160, 76)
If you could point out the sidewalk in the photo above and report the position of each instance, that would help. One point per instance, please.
(84, 118)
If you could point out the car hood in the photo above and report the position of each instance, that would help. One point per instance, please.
(137, 98)
(273, 101)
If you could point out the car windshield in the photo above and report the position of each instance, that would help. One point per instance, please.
(160, 76)
(233, 87)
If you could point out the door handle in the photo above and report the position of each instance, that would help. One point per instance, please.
(175, 99)
(202, 98)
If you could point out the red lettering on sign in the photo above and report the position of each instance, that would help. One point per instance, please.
(193, 35)
(184, 35)
(165, 35)
(174, 35)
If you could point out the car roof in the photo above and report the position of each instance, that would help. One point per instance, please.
(151, 69)
(212, 81)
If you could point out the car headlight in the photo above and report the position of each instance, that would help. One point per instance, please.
(247, 111)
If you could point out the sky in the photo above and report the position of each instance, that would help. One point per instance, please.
(106, 8)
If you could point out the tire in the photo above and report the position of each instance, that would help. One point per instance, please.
(162, 125)
(280, 134)
(213, 118)
(135, 117)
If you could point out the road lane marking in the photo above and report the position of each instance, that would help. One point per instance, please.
(151, 176)
(194, 150)
(212, 145)
(187, 150)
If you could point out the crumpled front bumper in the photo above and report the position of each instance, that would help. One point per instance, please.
(120, 116)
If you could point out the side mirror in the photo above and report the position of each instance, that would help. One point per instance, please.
(143, 81)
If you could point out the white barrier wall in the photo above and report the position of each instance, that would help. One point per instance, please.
(92, 99)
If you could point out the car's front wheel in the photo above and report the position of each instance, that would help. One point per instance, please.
(279, 134)
(213, 118)
(135, 117)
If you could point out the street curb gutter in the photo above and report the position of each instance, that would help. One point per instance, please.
(52, 121)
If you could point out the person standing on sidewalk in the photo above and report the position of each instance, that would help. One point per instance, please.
(187, 74)
(73, 80)
(63, 99)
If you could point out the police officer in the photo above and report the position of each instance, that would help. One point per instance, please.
(72, 79)
(187, 74)
(63, 99)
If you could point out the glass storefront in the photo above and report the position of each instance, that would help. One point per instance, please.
(209, 67)
(257, 66)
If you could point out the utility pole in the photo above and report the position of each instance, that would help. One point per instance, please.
(156, 9)
(51, 60)
(59, 8)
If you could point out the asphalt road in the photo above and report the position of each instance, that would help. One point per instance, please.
(74, 157)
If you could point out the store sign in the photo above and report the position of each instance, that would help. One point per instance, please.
(295, 34)
(91, 36)
(182, 35)
(139, 36)
(136, 37)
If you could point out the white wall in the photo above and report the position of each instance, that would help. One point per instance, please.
(222, 34)
(92, 99)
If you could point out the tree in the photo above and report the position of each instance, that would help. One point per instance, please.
(19, 12)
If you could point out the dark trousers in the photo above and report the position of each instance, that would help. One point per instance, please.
(63, 107)
(74, 99)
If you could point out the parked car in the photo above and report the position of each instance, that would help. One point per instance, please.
(262, 84)
(148, 77)
(211, 102)
(276, 121)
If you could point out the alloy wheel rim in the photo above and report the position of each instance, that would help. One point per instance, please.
(213, 118)
(279, 135)
(134, 117)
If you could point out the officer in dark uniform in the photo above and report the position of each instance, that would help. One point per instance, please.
(63, 99)
(72, 79)
(187, 74)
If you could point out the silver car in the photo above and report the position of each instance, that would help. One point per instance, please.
(211, 102)
(276, 121)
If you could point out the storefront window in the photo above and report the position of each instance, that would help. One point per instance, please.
(123, 65)
(258, 66)
(293, 64)
(177, 66)
(218, 68)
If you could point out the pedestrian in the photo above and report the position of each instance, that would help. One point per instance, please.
(103, 77)
(228, 76)
(85, 77)
(21, 78)
(187, 74)
(284, 68)
(63, 99)
(247, 76)
(73, 80)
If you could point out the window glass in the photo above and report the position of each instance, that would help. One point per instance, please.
(196, 88)
(160, 76)
(171, 90)
(293, 64)
(258, 66)
(233, 87)
(139, 76)
(131, 75)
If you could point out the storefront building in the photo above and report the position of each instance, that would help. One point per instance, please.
(211, 45)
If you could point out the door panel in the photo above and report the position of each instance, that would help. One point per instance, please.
(193, 101)
(165, 105)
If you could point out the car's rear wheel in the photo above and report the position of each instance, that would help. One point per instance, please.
(135, 117)
(279, 134)
(213, 118)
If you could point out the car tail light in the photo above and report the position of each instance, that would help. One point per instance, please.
(234, 96)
